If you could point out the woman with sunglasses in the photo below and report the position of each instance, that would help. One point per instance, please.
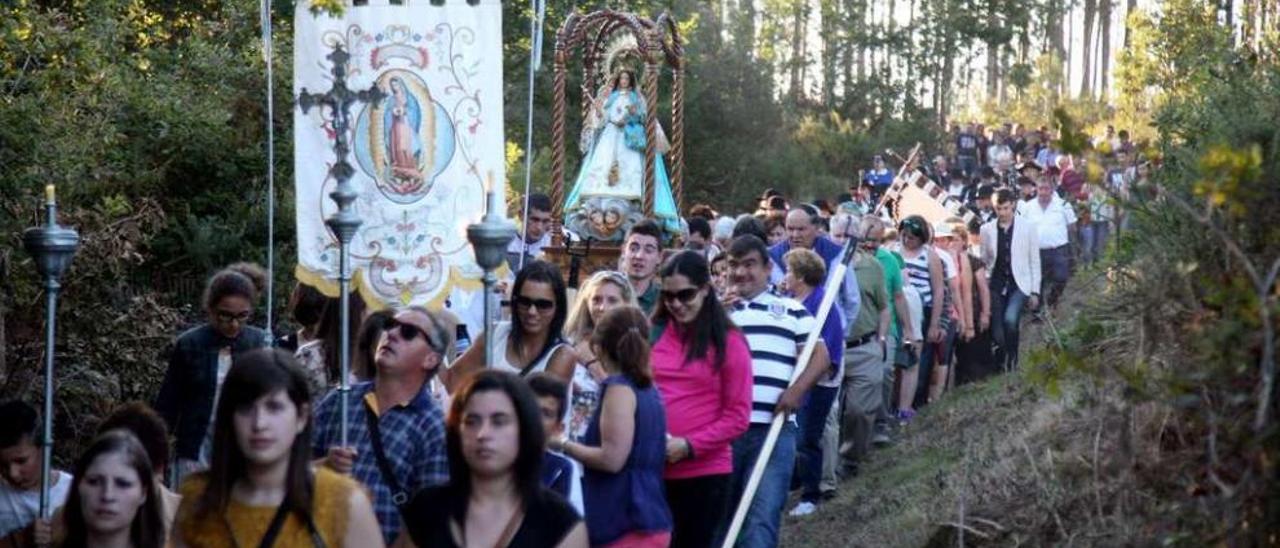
(532, 341)
(702, 366)
(261, 488)
(199, 361)
(603, 291)
(624, 451)
(923, 271)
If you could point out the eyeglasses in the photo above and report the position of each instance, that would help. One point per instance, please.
(409, 332)
(542, 305)
(685, 295)
(228, 317)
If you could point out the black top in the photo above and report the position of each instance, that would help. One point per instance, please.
(1003, 269)
(547, 519)
(191, 381)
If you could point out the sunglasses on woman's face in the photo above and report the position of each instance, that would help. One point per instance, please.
(542, 305)
(685, 295)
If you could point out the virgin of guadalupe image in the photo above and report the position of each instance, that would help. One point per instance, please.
(402, 120)
(607, 194)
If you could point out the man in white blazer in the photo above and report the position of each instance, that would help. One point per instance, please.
(1011, 250)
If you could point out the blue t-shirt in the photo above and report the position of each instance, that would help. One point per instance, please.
(832, 333)
(633, 499)
(880, 178)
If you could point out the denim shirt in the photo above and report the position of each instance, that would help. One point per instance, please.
(191, 381)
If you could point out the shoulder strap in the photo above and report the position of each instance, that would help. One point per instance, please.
(546, 353)
(277, 523)
(399, 496)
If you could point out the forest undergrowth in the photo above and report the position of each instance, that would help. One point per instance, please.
(1026, 459)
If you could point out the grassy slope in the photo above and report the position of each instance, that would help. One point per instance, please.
(905, 492)
(1014, 466)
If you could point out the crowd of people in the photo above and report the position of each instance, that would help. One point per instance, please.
(629, 411)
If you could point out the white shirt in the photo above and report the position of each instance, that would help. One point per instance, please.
(1051, 222)
(19, 509)
(531, 249)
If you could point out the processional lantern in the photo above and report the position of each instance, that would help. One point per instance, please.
(489, 239)
(51, 246)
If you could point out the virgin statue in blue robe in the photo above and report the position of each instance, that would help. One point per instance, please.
(608, 193)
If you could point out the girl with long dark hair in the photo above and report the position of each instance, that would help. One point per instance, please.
(114, 500)
(702, 366)
(624, 450)
(494, 496)
(260, 488)
(532, 341)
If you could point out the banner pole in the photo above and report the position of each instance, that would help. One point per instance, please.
(535, 58)
(267, 57)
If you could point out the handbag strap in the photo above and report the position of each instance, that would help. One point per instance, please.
(399, 496)
(273, 530)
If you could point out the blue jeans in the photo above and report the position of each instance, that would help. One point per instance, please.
(812, 420)
(1007, 303)
(764, 518)
(1093, 240)
(1055, 268)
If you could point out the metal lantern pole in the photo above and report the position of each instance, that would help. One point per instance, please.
(345, 222)
(52, 246)
(489, 239)
(268, 57)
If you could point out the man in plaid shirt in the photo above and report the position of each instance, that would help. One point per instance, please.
(410, 422)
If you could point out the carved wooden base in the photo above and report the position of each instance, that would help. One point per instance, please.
(599, 257)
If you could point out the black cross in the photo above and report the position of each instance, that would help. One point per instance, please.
(339, 99)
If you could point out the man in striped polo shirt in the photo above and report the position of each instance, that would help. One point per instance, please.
(776, 329)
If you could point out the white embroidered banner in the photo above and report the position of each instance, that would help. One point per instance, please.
(420, 155)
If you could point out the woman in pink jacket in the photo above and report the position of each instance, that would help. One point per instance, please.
(702, 367)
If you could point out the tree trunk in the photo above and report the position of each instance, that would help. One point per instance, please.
(1086, 80)
(1104, 16)
(891, 25)
(993, 62)
(1129, 8)
(796, 70)
(747, 22)
(858, 18)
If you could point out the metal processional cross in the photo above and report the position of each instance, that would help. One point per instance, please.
(345, 222)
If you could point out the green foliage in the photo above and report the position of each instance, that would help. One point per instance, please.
(1183, 321)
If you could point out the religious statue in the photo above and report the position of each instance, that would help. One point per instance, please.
(402, 121)
(608, 192)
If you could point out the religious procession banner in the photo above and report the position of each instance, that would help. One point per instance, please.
(421, 154)
(914, 194)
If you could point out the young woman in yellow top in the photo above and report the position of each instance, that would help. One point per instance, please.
(261, 489)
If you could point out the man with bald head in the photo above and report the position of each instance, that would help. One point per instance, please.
(802, 233)
(394, 426)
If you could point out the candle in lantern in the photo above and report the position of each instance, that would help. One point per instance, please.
(49, 193)
(491, 194)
